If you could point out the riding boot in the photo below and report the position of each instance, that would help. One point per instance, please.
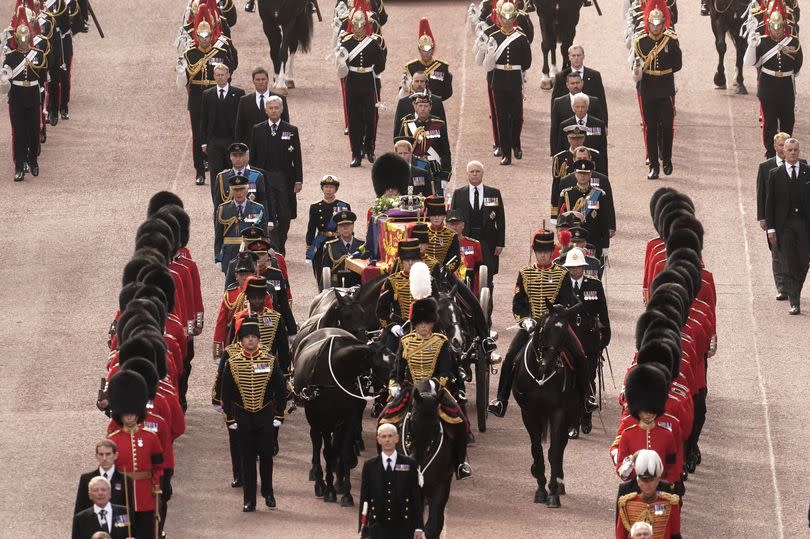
(250, 6)
(498, 406)
(463, 469)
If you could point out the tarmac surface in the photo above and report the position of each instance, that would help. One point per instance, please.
(67, 234)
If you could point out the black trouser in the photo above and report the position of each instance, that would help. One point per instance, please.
(218, 156)
(166, 487)
(236, 459)
(659, 118)
(699, 401)
(195, 113)
(25, 132)
(362, 121)
(281, 204)
(509, 112)
(256, 439)
(143, 523)
(794, 248)
(183, 383)
(493, 117)
(778, 269)
(65, 75)
(777, 115)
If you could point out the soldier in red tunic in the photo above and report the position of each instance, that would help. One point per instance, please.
(233, 301)
(659, 509)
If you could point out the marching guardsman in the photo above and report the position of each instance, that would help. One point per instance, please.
(336, 251)
(361, 59)
(233, 301)
(59, 89)
(657, 56)
(778, 57)
(320, 227)
(48, 33)
(536, 284)
(591, 323)
(439, 78)
(278, 284)
(195, 72)
(394, 303)
(140, 454)
(253, 400)
(423, 354)
(232, 218)
(22, 72)
(508, 57)
(443, 244)
(592, 203)
(430, 140)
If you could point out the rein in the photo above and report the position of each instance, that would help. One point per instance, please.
(361, 396)
(419, 469)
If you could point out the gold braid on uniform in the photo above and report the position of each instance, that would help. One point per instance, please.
(640, 512)
(402, 293)
(540, 284)
(422, 354)
(439, 243)
(252, 385)
(267, 332)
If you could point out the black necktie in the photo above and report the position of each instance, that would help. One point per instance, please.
(388, 466)
(476, 202)
(348, 247)
(261, 103)
(221, 94)
(273, 129)
(103, 515)
(239, 211)
(582, 122)
(576, 287)
(105, 475)
(793, 172)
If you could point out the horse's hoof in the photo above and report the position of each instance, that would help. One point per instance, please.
(545, 82)
(553, 501)
(312, 475)
(719, 86)
(561, 489)
(290, 83)
(540, 495)
(319, 489)
(741, 90)
(329, 495)
(280, 90)
(346, 500)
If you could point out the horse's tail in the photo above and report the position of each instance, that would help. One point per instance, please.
(303, 28)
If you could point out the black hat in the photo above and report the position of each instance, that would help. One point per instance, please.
(162, 278)
(662, 347)
(183, 220)
(408, 249)
(131, 319)
(420, 232)
(390, 171)
(343, 217)
(245, 264)
(583, 164)
(153, 225)
(153, 299)
(565, 220)
(127, 394)
(695, 272)
(126, 294)
(256, 286)
(666, 218)
(253, 233)
(454, 215)
(151, 292)
(686, 254)
(146, 369)
(174, 225)
(689, 222)
(238, 180)
(249, 326)
(145, 305)
(435, 206)
(162, 198)
(646, 390)
(134, 266)
(238, 147)
(683, 238)
(424, 310)
(649, 317)
(575, 131)
(578, 233)
(159, 348)
(655, 196)
(421, 97)
(258, 246)
(684, 278)
(330, 180)
(161, 245)
(138, 346)
(543, 241)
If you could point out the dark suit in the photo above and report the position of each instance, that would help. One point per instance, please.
(596, 139)
(405, 107)
(561, 110)
(591, 85)
(777, 266)
(116, 491)
(217, 126)
(248, 114)
(787, 210)
(280, 156)
(488, 225)
(86, 523)
(394, 499)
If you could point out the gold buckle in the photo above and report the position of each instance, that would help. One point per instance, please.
(778, 73)
(507, 67)
(361, 69)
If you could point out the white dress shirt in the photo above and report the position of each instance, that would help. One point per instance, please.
(583, 122)
(110, 472)
(480, 188)
(577, 283)
(259, 96)
(225, 89)
(108, 516)
(385, 457)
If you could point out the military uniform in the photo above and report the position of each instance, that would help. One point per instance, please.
(394, 499)
(257, 189)
(321, 227)
(272, 329)
(596, 207)
(335, 254)
(394, 303)
(471, 260)
(278, 287)
(440, 80)
(49, 32)
(233, 301)
(230, 222)
(430, 143)
(59, 87)
(663, 514)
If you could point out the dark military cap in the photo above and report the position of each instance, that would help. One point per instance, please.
(344, 216)
(330, 180)
(574, 131)
(578, 233)
(249, 326)
(258, 246)
(256, 285)
(238, 147)
(245, 263)
(435, 206)
(238, 181)
(408, 249)
(583, 165)
(421, 97)
(253, 233)
(543, 241)
(454, 215)
(420, 232)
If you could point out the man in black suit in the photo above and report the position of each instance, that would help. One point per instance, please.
(596, 132)
(103, 515)
(106, 453)
(390, 487)
(485, 219)
(764, 170)
(420, 178)
(591, 80)
(562, 108)
(251, 106)
(405, 104)
(218, 120)
(787, 210)
(276, 149)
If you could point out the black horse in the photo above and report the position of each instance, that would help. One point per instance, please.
(339, 308)
(558, 24)
(335, 376)
(288, 26)
(548, 396)
(727, 18)
(427, 439)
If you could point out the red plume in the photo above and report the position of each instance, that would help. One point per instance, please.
(424, 29)
(204, 15)
(214, 18)
(361, 6)
(18, 19)
(657, 4)
(776, 5)
(493, 14)
(565, 238)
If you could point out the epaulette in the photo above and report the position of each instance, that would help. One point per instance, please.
(669, 32)
(333, 240)
(113, 433)
(626, 498)
(232, 347)
(590, 277)
(560, 154)
(233, 286)
(409, 62)
(672, 499)
(347, 37)
(593, 151)
(437, 120)
(442, 337)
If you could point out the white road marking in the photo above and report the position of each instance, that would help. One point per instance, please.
(753, 320)
(451, 186)
(180, 163)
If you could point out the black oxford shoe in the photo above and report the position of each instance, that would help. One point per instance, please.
(355, 162)
(506, 161)
(236, 483)
(518, 154)
(653, 174)
(19, 175)
(667, 168)
(200, 180)
(270, 501)
(249, 507)
(35, 170)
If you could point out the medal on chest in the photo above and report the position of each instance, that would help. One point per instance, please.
(140, 442)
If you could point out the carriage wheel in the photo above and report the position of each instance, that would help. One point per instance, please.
(482, 369)
(483, 277)
(326, 278)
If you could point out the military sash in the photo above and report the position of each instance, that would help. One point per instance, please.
(773, 51)
(29, 59)
(359, 48)
(506, 42)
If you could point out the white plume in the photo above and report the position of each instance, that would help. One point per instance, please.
(420, 281)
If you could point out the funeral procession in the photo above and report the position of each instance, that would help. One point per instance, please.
(362, 268)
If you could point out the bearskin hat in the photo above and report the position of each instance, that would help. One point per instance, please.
(161, 244)
(134, 267)
(673, 212)
(424, 310)
(390, 171)
(652, 317)
(153, 225)
(656, 196)
(158, 345)
(646, 390)
(683, 238)
(688, 222)
(685, 254)
(127, 294)
(131, 320)
(146, 369)
(161, 199)
(127, 394)
(684, 277)
(679, 292)
(694, 271)
(135, 346)
(659, 352)
(183, 220)
(174, 226)
(162, 278)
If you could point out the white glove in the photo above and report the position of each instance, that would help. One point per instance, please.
(233, 426)
(394, 391)
(341, 10)
(604, 251)
(754, 39)
(397, 331)
(490, 58)
(181, 73)
(527, 324)
(309, 262)
(217, 408)
(276, 423)
(341, 61)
